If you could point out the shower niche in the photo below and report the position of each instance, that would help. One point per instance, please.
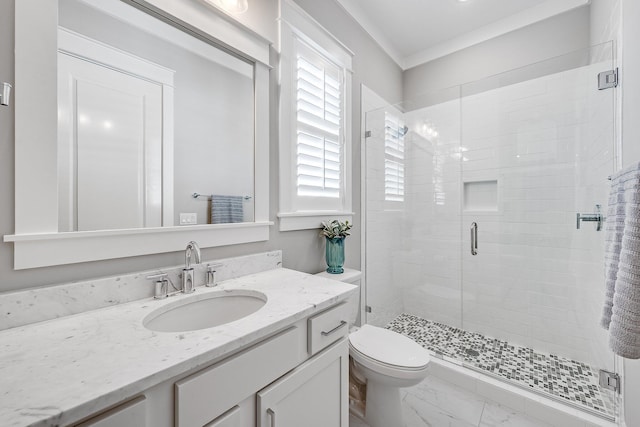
(480, 196)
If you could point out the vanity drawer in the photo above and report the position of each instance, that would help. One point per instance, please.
(327, 327)
(207, 394)
(130, 414)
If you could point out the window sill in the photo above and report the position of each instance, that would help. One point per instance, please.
(290, 221)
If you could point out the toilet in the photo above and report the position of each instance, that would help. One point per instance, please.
(385, 360)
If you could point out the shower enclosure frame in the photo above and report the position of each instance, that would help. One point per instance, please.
(502, 80)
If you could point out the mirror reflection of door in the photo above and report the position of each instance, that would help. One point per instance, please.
(110, 144)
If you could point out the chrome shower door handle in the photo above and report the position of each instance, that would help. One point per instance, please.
(474, 238)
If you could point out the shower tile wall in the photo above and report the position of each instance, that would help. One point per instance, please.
(537, 281)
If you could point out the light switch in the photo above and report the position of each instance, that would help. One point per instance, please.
(188, 218)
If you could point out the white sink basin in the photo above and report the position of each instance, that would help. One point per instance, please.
(203, 311)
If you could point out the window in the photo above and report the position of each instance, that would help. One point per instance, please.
(319, 134)
(394, 132)
(315, 119)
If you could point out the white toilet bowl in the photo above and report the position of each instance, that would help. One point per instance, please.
(387, 361)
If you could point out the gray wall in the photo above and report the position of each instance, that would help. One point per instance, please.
(546, 39)
(302, 250)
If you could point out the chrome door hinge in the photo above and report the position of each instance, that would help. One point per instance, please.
(5, 94)
(367, 134)
(608, 79)
(367, 308)
(610, 381)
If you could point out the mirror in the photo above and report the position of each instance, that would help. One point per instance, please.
(155, 126)
(184, 87)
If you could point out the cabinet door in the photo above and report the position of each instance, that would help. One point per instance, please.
(315, 394)
(231, 418)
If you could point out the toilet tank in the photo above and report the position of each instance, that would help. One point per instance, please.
(353, 277)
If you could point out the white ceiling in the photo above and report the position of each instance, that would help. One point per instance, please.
(416, 31)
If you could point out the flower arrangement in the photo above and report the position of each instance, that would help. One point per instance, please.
(334, 228)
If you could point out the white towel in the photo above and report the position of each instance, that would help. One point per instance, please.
(621, 313)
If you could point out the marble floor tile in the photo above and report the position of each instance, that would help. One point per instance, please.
(446, 397)
(495, 415)
(418, 413)
(438, 403)
(356, 422)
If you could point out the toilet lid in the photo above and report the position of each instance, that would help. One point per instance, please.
(389, 347)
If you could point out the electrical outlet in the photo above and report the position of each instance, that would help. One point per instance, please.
(188, 218)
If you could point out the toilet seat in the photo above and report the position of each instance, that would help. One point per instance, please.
(388, 352)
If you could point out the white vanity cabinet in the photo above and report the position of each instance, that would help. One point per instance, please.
(293, 347)
(315, 394)
(298, 377)
(201, 398)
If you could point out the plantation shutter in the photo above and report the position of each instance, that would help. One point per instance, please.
(394, 132)
(319, 111)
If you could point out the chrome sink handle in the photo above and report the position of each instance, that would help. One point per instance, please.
(211, 274)
(161, 283)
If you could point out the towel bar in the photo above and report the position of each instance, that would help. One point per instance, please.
(196, 195)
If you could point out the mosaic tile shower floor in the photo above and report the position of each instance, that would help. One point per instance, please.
(568, 379)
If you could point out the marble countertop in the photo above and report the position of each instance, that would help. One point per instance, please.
(59, 371)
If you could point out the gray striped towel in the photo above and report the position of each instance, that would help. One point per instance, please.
(226, 209)
(621, 313)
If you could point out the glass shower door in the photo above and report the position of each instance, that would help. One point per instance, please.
(412, 212)
(537, 148)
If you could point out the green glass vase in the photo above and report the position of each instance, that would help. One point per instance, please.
(334, 255)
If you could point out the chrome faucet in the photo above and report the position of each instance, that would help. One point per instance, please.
(187, 272)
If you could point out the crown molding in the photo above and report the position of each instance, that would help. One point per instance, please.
(527, 17)
(376, 33)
